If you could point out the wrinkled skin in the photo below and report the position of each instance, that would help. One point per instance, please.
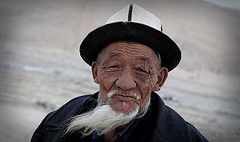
(128, 68)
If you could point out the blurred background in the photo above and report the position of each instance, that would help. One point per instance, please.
(41, 69)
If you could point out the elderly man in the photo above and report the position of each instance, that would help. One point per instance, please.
(130, 59)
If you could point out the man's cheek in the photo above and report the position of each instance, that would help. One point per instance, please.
(145, 96)
(107, 81)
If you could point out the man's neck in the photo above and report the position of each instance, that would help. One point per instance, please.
(110, 136)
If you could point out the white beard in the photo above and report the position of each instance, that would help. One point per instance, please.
(103, 119)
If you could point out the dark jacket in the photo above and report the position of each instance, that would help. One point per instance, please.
(160, 124)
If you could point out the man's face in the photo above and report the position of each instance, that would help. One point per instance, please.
(131, 71)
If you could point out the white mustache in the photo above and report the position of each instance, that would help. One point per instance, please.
(112, 93)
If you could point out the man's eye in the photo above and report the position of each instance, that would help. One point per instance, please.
(141, 74)
(114, 66)
(141, 70)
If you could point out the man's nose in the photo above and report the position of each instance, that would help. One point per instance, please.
(126, 81)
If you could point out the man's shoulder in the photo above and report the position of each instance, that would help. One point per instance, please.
(177, 124)
(53, 125)
(171, 126)
(72, 108)
(166, 114)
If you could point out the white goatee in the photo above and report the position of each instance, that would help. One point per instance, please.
(102, 119)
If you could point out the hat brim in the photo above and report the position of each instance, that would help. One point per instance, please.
(98, 39)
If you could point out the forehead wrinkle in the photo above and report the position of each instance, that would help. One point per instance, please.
(118, 54)
(129, 49)
(114, 54)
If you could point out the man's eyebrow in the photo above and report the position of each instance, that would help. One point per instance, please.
(111, 55)
(143, 58)
(114, 54)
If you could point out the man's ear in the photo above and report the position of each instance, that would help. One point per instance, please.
(94, 71)
(162, 76)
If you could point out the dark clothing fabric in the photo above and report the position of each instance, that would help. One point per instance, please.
(160, 124)
(97, 138)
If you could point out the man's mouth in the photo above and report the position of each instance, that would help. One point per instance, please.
(123, 102)
(125, 99)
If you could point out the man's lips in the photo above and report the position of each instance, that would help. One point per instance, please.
(123, 94)
(124, 98)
